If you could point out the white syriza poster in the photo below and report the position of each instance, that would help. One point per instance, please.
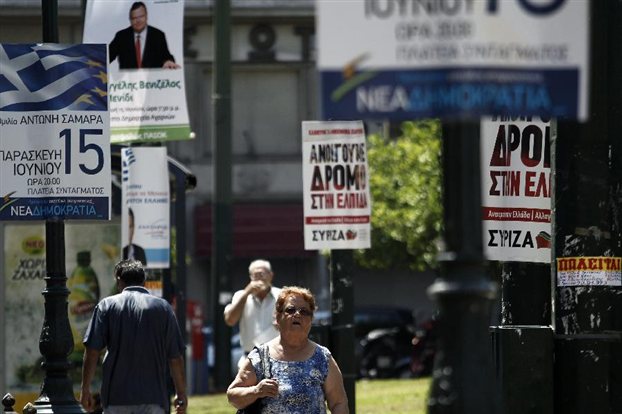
(337, 203)
(145, 50)
(516, 189)
(145, 219)
(54, 132)
(402, 60)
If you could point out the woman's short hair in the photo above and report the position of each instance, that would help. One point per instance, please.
(288, 291)
(130, 271)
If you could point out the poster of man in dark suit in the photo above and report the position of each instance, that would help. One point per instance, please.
(133, 251)
(140, 45)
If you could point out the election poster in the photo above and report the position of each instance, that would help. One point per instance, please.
(381, 59)
(516, 188)
(145, 219)
(337, 203)
(54, 129)
(91, 251)
(146, 80)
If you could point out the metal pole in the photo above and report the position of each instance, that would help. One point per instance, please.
(180, 248)
(587, 192)
(221, 210)
(49, 13)
(461, 381)
(342, 312)
(56, 340)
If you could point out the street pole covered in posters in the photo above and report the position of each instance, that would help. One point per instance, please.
(222, 216)
(516, 217)
(57, 386)
(588, 235)
(56, 341)
(516, 213)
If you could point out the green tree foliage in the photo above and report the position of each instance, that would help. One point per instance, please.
(405, 185)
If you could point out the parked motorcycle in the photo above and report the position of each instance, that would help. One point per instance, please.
(399, 352)
(386, 353)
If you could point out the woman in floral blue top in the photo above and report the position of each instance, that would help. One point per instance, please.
(303, 377)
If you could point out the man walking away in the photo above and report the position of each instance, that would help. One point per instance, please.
(142, 338)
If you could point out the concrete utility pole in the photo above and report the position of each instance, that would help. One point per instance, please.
(461, 381)
(56, 340)
(222, 222)
(587, 202)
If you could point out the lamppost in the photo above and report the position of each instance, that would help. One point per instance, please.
(56, 340)
(461, 381)
(222, 216)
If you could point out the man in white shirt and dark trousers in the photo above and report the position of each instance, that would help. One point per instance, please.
(253, 307)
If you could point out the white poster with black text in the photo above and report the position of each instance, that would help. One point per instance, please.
(337, 203)
(516, 189)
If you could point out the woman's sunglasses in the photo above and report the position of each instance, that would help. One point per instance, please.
(291, 310)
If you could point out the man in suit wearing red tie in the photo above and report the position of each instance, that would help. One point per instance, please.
(140, 45)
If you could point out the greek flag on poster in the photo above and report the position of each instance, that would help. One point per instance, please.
(35, 77)
(128, 160)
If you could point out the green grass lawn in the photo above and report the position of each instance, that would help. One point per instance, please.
(404, 396)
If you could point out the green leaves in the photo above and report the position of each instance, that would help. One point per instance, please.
(405, 185)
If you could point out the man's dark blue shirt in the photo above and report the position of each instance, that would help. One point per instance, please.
(141, 334)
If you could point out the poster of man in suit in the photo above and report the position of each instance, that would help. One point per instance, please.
(146, 85)
(145, 197)
(141, 45)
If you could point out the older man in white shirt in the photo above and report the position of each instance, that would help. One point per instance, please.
(253, 307)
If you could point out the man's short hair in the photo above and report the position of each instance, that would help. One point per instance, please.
(137, 5)
(130, 271)
(260, 263)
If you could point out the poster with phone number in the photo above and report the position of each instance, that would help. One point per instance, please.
(54, 132)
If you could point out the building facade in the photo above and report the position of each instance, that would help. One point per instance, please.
(274, 88)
